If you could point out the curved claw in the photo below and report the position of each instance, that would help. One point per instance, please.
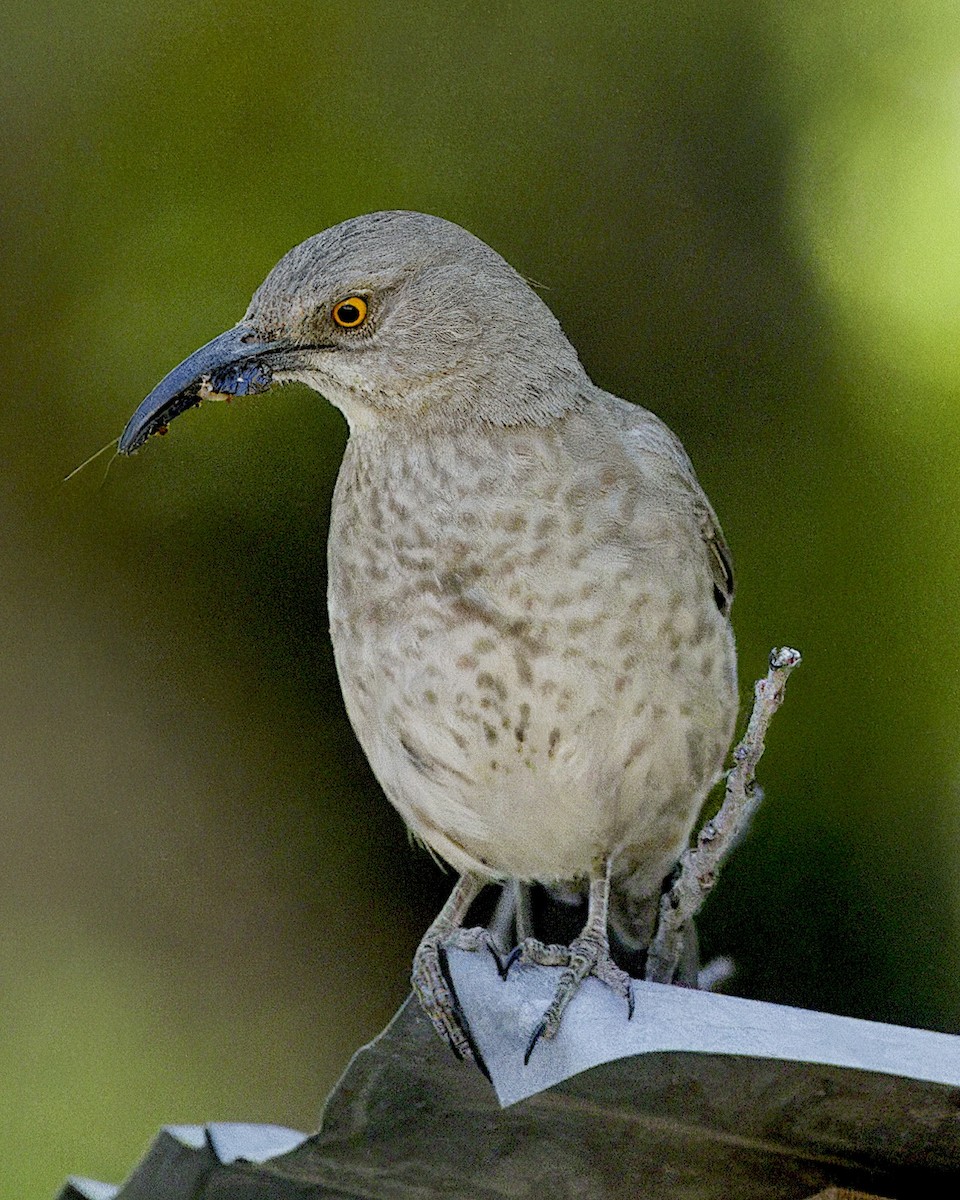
(503, 965)
(538, 1033)
(433, 986)
(513, 957)
(465, 1049)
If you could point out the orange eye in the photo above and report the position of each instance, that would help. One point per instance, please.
(350, 313)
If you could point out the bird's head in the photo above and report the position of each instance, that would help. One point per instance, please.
(392, 315)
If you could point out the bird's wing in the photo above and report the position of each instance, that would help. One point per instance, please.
(644, 434)
(721, 562)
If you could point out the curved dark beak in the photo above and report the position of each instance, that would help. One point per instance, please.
(237, 363)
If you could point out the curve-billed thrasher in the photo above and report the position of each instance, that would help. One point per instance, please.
(528, 589)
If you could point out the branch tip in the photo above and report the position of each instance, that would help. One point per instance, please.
(784, 658)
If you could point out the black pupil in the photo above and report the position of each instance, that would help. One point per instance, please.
(349, 314)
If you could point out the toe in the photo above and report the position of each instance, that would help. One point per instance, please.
(599, 963)
(584, 956)
(434, 990)
(478, 939)
(539, 954)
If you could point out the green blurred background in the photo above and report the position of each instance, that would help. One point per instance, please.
(747, 216)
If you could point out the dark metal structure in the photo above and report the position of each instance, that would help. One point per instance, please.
(699, 1097)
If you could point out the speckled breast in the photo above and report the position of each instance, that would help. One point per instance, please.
(529, 651)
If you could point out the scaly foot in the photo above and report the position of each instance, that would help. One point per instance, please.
(431, 974)
(586, 955)
(435, 991)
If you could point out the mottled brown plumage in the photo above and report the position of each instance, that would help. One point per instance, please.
(528, 589)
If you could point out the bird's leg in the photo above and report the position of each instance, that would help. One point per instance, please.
(524, 920)
(512, 920)
(504, 917)
(588, 954)
(431, 977)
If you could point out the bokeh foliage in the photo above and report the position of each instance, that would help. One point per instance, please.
(747, 217)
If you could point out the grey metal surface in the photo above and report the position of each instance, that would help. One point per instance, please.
(79, 1188)
(234, 1140)
(595, 1030)
(184, 1159)
(713, 1103)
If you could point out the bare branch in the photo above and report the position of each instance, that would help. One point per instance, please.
(699, 865)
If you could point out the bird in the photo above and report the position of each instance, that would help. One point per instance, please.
(529, 593)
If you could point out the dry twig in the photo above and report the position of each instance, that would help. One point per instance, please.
(699, 865)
